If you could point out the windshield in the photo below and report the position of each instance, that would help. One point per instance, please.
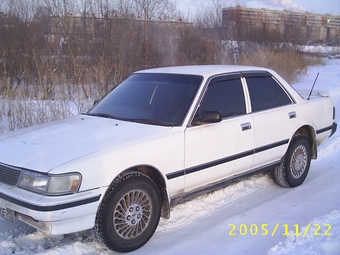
(151, 98)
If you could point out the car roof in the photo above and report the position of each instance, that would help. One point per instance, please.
(204, 70)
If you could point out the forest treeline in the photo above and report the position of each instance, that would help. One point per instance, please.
(59, 48)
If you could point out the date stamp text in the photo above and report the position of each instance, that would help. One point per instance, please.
(288, 230)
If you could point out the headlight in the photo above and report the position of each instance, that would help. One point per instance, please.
(49, 184)
(63, 184)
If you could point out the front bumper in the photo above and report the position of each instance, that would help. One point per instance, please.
(55, 215)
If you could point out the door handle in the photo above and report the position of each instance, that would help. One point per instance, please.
(292, 115)
(246, 126)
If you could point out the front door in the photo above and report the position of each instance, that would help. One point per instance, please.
(213, 151)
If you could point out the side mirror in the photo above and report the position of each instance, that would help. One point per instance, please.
(208, 117)
(96, 101)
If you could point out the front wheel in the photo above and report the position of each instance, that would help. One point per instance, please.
(294, 166)
(129, 213)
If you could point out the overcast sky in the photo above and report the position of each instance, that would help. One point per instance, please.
(314, 6)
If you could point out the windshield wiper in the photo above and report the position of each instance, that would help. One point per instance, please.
(149, 121)
(104, 115)
(143, 121)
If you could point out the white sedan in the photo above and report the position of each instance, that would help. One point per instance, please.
(161, 136)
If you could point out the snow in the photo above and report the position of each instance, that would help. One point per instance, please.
(304, 220)
(328, 50)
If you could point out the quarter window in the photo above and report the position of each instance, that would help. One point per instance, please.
(282, 96)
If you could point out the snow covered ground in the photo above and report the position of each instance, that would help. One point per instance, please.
(253, 216)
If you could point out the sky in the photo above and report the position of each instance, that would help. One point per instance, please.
(314, 6)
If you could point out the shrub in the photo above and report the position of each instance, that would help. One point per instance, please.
(291, 65)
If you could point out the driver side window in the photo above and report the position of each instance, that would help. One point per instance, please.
(224, 95)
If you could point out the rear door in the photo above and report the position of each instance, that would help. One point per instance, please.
(274, 115)
(212, 151)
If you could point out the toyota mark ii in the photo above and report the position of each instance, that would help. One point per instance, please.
(162, 135)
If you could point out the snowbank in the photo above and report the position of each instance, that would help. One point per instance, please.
(321, 236)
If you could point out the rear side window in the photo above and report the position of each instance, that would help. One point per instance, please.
(266, 93)
(225, 96)
(282, 96)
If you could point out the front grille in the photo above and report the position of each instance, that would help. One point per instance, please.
(9, 174)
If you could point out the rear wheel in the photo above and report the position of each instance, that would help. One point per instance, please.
(129, 213)
(294, 167)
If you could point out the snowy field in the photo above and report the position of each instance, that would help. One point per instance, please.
(253, 216)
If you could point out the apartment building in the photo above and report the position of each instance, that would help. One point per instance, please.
(311, 27)
(89, 28)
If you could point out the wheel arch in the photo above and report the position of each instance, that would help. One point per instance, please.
(158, 179)
(309, 132)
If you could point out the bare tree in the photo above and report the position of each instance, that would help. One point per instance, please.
(202, 43)
(293, 31)
(209, 15)
(147, 10)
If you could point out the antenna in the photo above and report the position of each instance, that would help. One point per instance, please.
(313, 87)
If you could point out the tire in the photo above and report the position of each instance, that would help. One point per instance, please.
(129, 213)
(294, 166)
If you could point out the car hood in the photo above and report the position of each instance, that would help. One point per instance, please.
(44, 147)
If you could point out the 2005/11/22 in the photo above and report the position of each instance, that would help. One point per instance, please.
(254, 229)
